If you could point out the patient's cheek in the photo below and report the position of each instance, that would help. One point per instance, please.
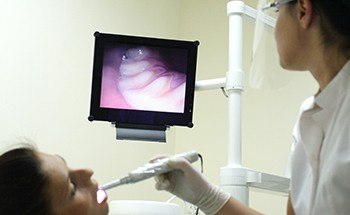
(146, 84)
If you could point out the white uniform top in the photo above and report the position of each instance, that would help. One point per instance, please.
(320, 182)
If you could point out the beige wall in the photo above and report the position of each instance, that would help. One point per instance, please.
(46, 62)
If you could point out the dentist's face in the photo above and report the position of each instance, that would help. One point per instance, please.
(71, 191)
(291, 38)
(284, 35)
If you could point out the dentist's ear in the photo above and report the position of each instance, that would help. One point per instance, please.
(305, 13)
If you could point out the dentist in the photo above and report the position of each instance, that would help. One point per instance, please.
(311, 35)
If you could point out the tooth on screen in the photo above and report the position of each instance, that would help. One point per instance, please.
(137, 53)
(130, 67)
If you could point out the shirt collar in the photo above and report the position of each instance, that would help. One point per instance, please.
(335, 89)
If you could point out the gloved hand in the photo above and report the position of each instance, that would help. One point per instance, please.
(188, 184)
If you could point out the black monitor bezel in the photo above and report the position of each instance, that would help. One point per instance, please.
(140, 117)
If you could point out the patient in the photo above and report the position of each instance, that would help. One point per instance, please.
(36, 183)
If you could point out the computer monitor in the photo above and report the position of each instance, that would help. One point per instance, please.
(142, 81)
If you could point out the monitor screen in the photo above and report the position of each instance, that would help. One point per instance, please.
(143, 81)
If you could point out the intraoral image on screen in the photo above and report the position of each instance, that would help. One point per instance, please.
(143, 81)
(139, 77)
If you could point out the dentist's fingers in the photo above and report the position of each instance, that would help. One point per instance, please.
(162, 182)
(158, 157)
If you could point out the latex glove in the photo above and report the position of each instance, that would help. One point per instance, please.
(188, 184)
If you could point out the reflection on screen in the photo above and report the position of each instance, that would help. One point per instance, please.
(143, 78)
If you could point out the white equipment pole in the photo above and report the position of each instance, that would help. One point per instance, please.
(233, 176)
(236, 179)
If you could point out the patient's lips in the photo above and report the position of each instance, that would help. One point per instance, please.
(101, 196)
(146, 83)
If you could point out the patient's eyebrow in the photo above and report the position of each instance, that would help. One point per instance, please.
(67, 192)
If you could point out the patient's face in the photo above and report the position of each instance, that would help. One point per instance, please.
(71, 191)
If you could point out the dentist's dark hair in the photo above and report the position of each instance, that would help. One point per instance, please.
(23, 183)
(335, 19)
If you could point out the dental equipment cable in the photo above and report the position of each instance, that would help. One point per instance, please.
(202, 170)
